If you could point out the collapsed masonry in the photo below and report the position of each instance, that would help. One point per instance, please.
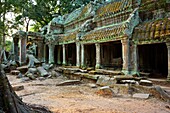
(127, 35)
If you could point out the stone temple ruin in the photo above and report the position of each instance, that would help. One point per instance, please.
(127, 35)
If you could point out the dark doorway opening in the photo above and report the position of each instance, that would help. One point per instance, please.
(47, 54)
(90, 55)
(71, 54)
(153, 59)
(111, 55)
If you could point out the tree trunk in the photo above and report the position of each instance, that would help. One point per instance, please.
(11, 103)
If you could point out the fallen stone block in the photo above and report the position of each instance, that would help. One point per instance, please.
(42, 71)
(105, 81)
(92, 72)
(108, 72)
(163, 94)
(41, 78)
(105, 91)
(33, 61)
(18, 88)
(55, 74)
(128, 82)
(15, 72)
(31, 76)
(69, 82)
(145, 83)
(83, 71)
(32, 70)
(92, 85)
(23, 69)
(141, 95)
(19, 75)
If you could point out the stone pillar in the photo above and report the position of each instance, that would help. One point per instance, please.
(82, 55)
(23, 44)
(168, 48)
(58, 55)
(45, 54)
(134, 64)
(64, 55)
(78, 54)
(125, 56)
(98, 60)
(51, 53)
(41, 50)
(16, 54)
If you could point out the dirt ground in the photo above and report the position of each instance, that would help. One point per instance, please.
(82, 98)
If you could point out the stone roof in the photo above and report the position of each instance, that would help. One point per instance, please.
(153, 30)
(19, 34)
(113, 8)
(107, 34)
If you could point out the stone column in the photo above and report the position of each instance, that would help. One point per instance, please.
(98, 60)
(40, 51)
(58, 55)
(125, 56)
(134, 59)
(45, 54)
(23, 44)
(78, 54)
(51, 53)
(16, 54)
(64, 55)
(82, 55)
(168, 48)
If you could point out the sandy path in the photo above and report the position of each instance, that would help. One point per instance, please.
(82, 99)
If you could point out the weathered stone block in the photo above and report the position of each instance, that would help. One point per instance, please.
(141, 95)
(105, 91)
(23, 69)
(145, 83)
(105, 81)
(42, 71)
(69, 82)
(15, 72)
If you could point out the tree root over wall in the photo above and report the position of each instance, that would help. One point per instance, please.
(11, 103)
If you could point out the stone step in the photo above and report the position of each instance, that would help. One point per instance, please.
(23, 69)
(108, 72)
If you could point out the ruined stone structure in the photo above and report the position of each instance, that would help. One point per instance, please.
(23, 41)
(129, 35)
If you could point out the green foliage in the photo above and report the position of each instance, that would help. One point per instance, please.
(67, 6)
(35, 27)
(8, 45)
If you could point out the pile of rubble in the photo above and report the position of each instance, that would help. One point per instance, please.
(32, 71)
